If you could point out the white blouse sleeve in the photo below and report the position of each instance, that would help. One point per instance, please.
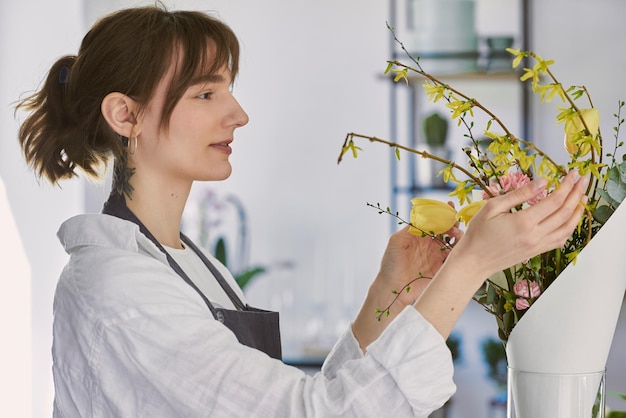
(144, 344)
(412, 352)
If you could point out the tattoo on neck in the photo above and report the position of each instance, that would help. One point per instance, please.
(121, 177)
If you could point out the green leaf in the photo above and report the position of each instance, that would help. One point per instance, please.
(499, 322)
(244, 278)
(501, 334)
(602, 214)
(616, 394)
(491, 295)
(499, 308)
(508, 320)
(617, 191)
(535, 263)
(622, 169)
(509, 278)
(220, 251)
(604, 195)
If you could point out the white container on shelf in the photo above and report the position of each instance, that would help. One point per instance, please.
(442, 33)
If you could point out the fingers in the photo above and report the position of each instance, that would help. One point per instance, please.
(545, 208)
(558, 214)
(550, 212)
(504, 203)
(513, 237)
(563, 221)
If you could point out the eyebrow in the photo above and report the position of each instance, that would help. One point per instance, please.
(207, 78)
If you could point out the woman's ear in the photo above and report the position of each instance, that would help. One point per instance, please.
(119, 111)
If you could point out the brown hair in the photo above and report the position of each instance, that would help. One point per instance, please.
(129, 52)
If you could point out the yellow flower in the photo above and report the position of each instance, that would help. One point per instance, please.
(467, 213)
(573, 128)
(431, 216)
(435, 92)
(518, 56)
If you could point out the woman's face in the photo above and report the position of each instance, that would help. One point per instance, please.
(196, 145)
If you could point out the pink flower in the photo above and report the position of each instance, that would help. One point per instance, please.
(511, 181)
(506, 183)
(522, 289)
(525, 292)
(521, 304)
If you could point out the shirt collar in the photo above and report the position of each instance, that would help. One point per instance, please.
(105, 231)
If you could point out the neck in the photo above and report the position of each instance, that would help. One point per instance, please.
(159, 206)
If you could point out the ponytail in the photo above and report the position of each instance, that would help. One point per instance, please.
(50, 137)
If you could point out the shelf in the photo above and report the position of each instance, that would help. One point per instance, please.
(469, 76)
(408, 185)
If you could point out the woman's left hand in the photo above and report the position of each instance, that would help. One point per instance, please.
(407, 258)
(412, 260)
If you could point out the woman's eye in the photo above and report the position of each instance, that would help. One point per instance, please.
(205, 96)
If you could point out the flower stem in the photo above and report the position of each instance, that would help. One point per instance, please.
(405, 288)
(477, 104)
(423, 154)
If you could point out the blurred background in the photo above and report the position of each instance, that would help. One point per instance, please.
(290, 217)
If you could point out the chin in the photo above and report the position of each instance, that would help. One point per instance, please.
(217, 175)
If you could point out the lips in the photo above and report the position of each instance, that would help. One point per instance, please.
(223, 147)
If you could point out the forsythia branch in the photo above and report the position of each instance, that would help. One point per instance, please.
(351, 135)
(477, 104)
(406, 288)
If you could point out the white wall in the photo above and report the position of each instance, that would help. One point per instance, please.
(310, 73)
(15, 317)
(32, 34)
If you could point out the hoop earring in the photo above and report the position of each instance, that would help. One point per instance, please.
(129, 146)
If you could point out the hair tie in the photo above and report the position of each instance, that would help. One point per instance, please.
(64, 74)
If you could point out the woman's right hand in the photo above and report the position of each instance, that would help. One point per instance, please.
(496, 239)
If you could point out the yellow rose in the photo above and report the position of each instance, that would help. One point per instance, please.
(467, 213)
(574, 126)
(428, 215)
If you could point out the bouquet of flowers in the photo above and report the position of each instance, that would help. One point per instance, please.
(506, 163)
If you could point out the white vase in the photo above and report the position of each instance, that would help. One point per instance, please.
(553, 395)
(568, 331)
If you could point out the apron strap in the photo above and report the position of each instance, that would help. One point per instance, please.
(218, 275)
(253, 327)
(116, 206)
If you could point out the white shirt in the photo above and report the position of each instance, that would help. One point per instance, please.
(132, 339)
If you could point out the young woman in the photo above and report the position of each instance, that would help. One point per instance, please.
(146, 324)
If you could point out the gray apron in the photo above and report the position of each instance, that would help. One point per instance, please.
(253, 327)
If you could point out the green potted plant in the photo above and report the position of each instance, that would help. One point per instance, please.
(617, 414)
(242, 277)
(435, 131)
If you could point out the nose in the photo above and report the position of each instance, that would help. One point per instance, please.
(237, 117)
